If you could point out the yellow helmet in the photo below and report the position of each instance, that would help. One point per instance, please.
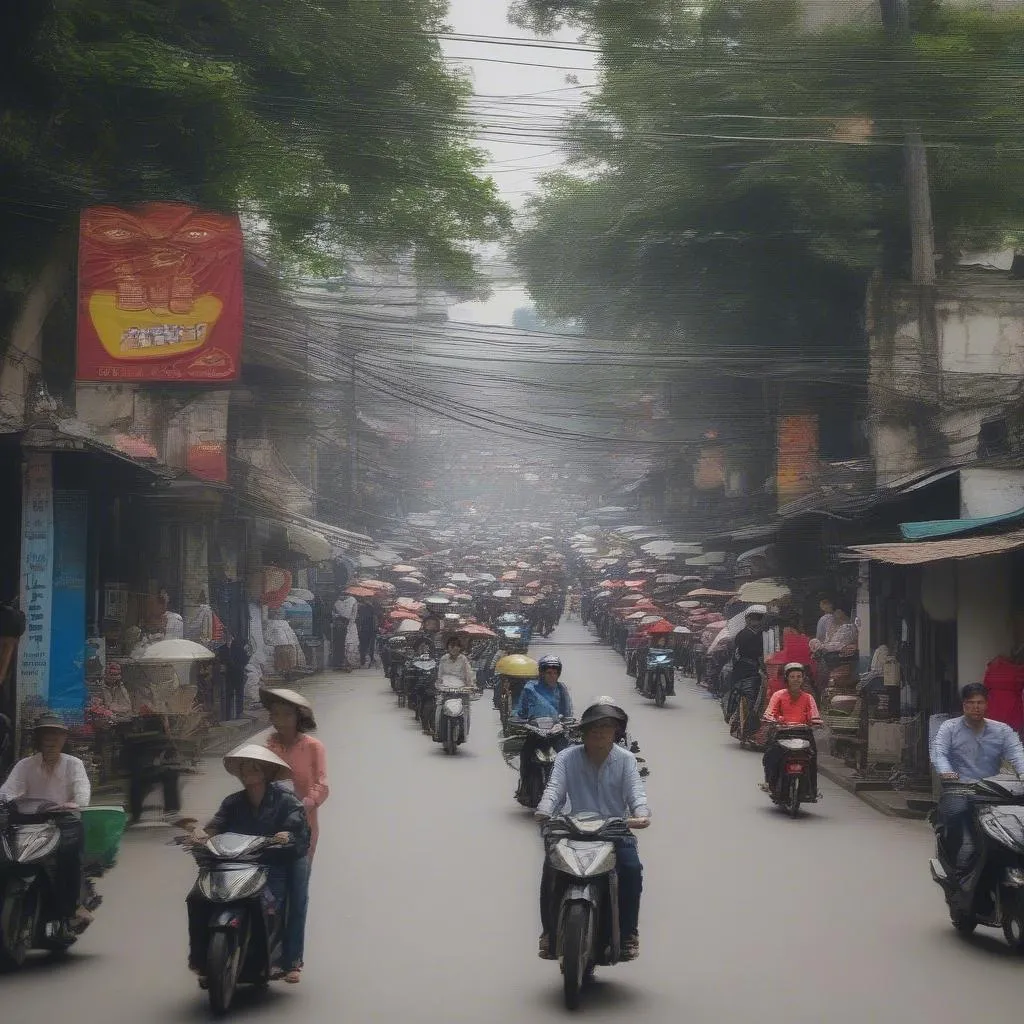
(518, 666)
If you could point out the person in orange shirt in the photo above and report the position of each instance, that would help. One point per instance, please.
(291, 715)
(791, 706)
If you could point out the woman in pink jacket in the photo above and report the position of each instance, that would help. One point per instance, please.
(291, 715)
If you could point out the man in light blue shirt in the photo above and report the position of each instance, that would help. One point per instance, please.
(546, 697)
(601, 777)
(965, 750)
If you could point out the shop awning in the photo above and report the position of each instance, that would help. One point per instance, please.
(313, 545)
(919, 552)
(709, 558)
(935, 528)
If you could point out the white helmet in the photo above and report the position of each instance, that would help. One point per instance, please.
(790, 667)
(756, 609)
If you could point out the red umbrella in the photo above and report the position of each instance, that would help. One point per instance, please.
(634, 583)
(661, 626)
(361, 592)
(399, 614)
(474, 629)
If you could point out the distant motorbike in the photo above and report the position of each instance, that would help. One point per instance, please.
(245, 929)
(451, 713)
(581, 851)
(796, 781)
(659, 679)
(991, 892)
(421, 680)
(513, 634)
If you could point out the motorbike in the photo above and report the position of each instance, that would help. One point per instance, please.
(991, 893)
(743, 707)
(513, 634)
(29, 842)
(245, 929)
(451, 713)
(658, 679)
(796, 781)
(552, 735)
(581, 851)
(397, 648)
(421, 678)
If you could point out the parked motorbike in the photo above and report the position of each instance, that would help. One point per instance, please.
(245, 928)
(581, 852)
(991, 893)
(659, 678)
(29, 842)
(796, 781)
(451, 713)
(552, 735)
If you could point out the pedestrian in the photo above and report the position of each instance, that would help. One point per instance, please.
(345, 609)
(234, 657)
(291, 716)
(366, 626)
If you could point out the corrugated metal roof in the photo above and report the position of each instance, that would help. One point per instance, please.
(936, 528)
(919, 552)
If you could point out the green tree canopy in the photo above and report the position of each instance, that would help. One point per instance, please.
(735, 178)
(333, 126)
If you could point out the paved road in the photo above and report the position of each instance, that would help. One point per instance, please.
(424, 903)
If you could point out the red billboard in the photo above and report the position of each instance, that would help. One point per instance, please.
(159, 294)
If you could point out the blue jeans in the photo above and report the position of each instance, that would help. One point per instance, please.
(298, 903)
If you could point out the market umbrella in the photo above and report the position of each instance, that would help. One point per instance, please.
(460, 577)
(366, 562)
(509, 577)
(658, 627)
(411, 579)
(360, 592)
(379, 585)
(409, 626)
(635, 615)
(176, 650)
(502, 593)
(533, 585)
(630, 598)
(763, 591)
(668, 577)
(475, 629)
(403, 568)
(648, 620)
(400, 614)
(687, 605)
(438, 599)
(603, 593)
(707, 592)
(682, 630)
(634, 583)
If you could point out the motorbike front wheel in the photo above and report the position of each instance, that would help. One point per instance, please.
(575, 955)
(793, 800)
(450, 736)
(17, 922)
(1013, 929)
(963, 921)
(222, 965)
(659, 691)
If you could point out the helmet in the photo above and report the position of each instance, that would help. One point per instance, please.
(602, 708)
(756, 609)
(550, 661)
(790, 667)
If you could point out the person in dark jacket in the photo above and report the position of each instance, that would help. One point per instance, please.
(366, 627)
(263, 807)
(234, 657)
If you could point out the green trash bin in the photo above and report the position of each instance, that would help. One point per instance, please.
(104, 827)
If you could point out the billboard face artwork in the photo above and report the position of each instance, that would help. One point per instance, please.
(159, 294)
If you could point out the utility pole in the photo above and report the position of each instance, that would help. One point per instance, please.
(896, 21)
(353, 442)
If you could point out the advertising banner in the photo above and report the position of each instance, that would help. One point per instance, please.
(159, 294)
(797, 457)
(36, 583)
(68, 614)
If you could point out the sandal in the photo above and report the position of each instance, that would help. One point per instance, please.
(294, 976)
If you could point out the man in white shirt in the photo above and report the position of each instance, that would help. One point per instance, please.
(61, 779)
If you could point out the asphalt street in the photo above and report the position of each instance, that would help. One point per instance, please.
(423, 895)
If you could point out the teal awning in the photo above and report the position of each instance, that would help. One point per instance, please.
(936, 528)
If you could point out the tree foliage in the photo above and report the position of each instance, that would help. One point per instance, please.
(333, 125)
(735, 178)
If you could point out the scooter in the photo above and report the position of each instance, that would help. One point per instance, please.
(581, 852)
(451, 713)
(552, 735)
(796, 780)
(659, 679)
(245, 930)
(991, 893)
(418, 680)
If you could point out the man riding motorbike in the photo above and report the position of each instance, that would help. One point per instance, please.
(61, 779)
(748, 655)
(546, 697)
(966, 750)
(791, 706)
(601, 777)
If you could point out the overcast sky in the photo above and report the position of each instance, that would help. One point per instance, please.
(517, 106)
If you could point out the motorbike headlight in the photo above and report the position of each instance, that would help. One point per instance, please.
(225, 885)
